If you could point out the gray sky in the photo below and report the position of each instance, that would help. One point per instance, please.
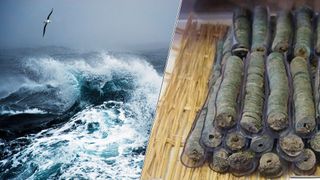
(88, 24)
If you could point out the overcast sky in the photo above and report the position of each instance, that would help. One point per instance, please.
(88, 24)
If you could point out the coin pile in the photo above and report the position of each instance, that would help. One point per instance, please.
(263, 102)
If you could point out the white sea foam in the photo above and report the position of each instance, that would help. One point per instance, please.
(100, 142)
(27, 111)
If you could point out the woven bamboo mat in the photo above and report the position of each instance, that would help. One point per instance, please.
(183, 93)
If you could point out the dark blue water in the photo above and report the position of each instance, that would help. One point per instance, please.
(65, 114)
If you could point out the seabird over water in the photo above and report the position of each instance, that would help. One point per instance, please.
(46, 22)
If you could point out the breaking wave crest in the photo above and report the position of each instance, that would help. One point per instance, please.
(104, 137)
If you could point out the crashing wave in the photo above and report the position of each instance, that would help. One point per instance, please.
(107, 105)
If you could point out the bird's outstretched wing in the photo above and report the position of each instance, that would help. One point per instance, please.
(44, 30)
(50, 13)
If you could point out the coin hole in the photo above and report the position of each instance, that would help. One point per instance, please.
(305, 125)
(269, 161)
(211, 136)
(302, 52)
(305, 160)
(235, 139)
(260, 145)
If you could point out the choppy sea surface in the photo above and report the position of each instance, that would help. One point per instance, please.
(71, 115)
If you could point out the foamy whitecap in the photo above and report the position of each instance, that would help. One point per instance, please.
(27, 111)
(104, 141)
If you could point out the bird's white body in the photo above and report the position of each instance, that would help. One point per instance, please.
(47, 21)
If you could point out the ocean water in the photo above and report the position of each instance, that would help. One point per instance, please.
(70, 115)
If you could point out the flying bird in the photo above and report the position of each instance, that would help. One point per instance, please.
(46, 22)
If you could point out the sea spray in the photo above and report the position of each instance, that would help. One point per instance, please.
(104, 140)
